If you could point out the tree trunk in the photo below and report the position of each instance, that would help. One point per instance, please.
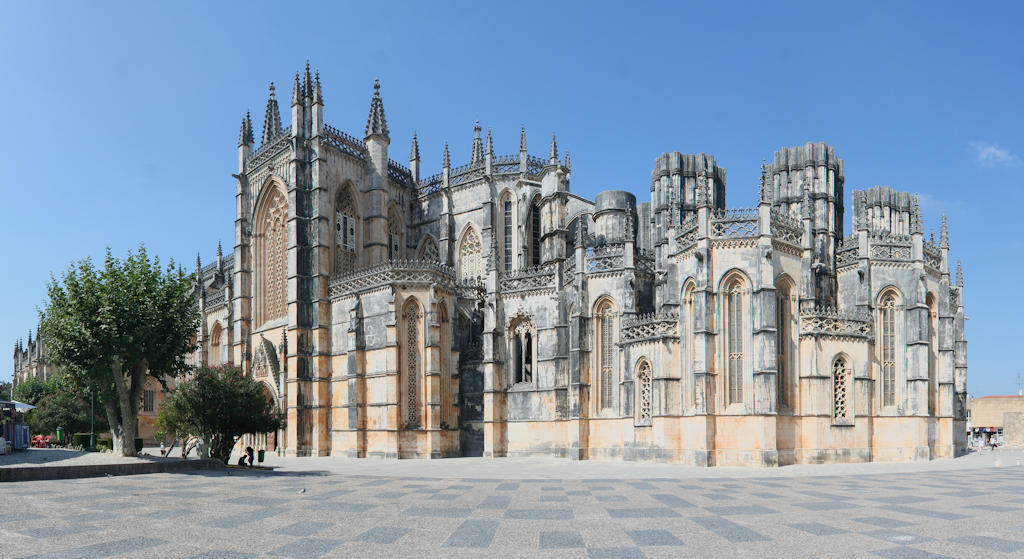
(115, 428)
(128, 391)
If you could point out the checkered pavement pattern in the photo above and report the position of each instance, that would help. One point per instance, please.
(235, 514)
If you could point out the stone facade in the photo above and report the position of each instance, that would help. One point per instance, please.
(487, 310)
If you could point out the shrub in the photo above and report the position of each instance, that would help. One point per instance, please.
(104, 444)
(80, 440)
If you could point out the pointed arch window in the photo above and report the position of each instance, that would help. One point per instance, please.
(689, 356)
(214, 354)
(841, 383)
(448, 403)
(470, 256)
(428, 251)
(606, 355)
(524, 351)
(411, 354)
(733, 313)
(271, 264)
(933, 348)
(783, 328)
(345, 226)
(395, 222)
(644, 392)
(507, 232)
(887, 343)
(535, 233)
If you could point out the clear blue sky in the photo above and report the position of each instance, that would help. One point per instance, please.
(119, 122)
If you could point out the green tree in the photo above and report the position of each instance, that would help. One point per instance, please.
(32, 390)
(219, 404)
(109, 328)
(63, 406)
(5, 390)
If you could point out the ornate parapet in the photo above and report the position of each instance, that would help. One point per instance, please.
(829, 322)
(653, 326)
(786, 228)
(538, 278)
(399, 271)
(687, 236)
(605, 258)
(501, 165)
(271, 148)
(738, 223)
(344, 142)
(886, 246)
(932, 255)
(849, 251)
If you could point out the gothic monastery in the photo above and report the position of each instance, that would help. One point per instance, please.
(487, 310)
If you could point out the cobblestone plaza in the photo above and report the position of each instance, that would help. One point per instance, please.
(336, 508)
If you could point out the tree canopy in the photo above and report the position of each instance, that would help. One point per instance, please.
(57, 405)
(220, 404)
(108, 328)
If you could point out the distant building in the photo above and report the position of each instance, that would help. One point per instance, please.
(985, 419)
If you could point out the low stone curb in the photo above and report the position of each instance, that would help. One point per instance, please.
(99, 470)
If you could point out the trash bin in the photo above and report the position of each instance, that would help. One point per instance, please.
(60, 435)
(261, 453)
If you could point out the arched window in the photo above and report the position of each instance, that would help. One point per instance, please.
(689, 354)
(524, 354)
(644, 393)
(508, 232)
(428, 250)
(470, 256)
(395, 226)
(447, 389)
(606, 355)
(783, 329)
(887, 344)
(535, 233)
(933, 348)
(841, 382)
(411, 318)
(271, 265)
(346, 223)
(213, 356)
(732, 311)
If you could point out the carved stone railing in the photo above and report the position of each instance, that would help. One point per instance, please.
(650, 327)
(833, 323)
(529, 279)
(431, 185)
(216, 300)
(535, 165)
(644, 263)
(742, 223)
(344, 142)
(400, 174)
(687, 236)
(932, 256)
(786, 228)
(849, 251)
(569, 267)
(405, 271)
(605, 258)
(271, 148)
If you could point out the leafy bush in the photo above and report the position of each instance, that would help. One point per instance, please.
(104, 444)
(80, 440)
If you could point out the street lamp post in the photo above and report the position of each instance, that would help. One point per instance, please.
(92, 419)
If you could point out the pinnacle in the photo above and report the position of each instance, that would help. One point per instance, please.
(959, 274)
(296, 91)
(478, 147)
(554, 148)
(490, 144)
(446, 162)
(567, 164)
(376, 123)
(307, 82)
(944, 233)
(271, 119)
(522, 138)
(318, 95)
(414, 153)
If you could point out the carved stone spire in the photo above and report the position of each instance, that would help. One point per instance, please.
(959, 274)
(297, 91)
(376, 124)
(271, 119)
(220, 257)
(944, 234)
(478, 146)
(414, 152)
(568, 166)
(307, 83)
(199, 266)
(318, 94)
(766, 189)
(245, 134)
(915, 215)
(553, 155)
(490, 144)
(446, 162)
(522, 139)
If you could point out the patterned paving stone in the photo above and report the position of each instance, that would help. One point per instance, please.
(307, 548)
(653, 537)
(382, 534)
(908, 553)
(473, 533)
(882, 522)
(817, 528)
(561, 540)
(302, 529)
(991, 543)
(106, 549)
(645, 512)
(616, 553)
(728, 529)
(539, 514)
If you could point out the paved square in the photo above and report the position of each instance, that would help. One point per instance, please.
(229, 514)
